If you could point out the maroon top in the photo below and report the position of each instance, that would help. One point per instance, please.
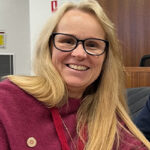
(26, 123)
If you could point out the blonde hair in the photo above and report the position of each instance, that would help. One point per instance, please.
(100, 110)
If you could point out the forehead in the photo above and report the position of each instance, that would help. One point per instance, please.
(81, 22)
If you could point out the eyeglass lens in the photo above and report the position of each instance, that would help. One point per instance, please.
(67, 42)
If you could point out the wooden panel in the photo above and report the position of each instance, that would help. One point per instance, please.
(132, 20)
(137, 76)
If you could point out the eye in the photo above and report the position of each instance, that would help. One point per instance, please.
(92, 44)
(68, 41)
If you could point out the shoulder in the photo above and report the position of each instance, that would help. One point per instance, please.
(142, 120)
(7, 86)
(21, 117)
(148, 104)
(14, 99)
(144, 114)
(16, 104)
(127, 140)
(10, 91)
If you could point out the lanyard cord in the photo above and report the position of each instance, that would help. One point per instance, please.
(60, 131)
(59, 128)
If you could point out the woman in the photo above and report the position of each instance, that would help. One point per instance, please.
(75, 100)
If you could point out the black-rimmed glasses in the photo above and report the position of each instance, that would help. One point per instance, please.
(67, 43)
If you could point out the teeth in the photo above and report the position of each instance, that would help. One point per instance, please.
(76, 67)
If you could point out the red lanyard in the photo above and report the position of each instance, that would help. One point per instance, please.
(60, 130)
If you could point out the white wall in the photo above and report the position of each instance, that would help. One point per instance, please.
(40, 11)
(14, 20)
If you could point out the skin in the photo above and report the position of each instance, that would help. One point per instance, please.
(82, 25)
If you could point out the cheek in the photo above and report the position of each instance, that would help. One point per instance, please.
(57, 58)
(99, 65)
(56, 54)
(99, 62)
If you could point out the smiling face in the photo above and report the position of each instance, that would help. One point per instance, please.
(77, 68)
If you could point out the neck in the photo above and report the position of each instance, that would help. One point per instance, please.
(75, 93)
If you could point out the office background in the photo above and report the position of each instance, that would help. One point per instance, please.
(22, 20)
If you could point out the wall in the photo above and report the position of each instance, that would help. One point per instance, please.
(40, 11)
(132, 20)
(14, 20)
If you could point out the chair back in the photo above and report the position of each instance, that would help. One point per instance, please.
(145, 61)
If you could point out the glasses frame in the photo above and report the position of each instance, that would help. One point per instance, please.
(52, 37)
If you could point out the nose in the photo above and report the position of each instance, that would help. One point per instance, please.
(79, 52)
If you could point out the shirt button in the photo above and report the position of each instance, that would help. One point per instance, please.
(31, 142)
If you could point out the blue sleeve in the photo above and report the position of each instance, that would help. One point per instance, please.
(142, 120)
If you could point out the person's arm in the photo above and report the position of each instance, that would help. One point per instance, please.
(142, 120)
(4, 144)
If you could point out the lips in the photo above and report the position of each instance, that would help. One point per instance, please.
(78, 67)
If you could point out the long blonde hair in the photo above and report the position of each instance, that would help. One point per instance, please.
(99, 110)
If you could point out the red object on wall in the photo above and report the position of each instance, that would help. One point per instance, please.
(53, 5)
